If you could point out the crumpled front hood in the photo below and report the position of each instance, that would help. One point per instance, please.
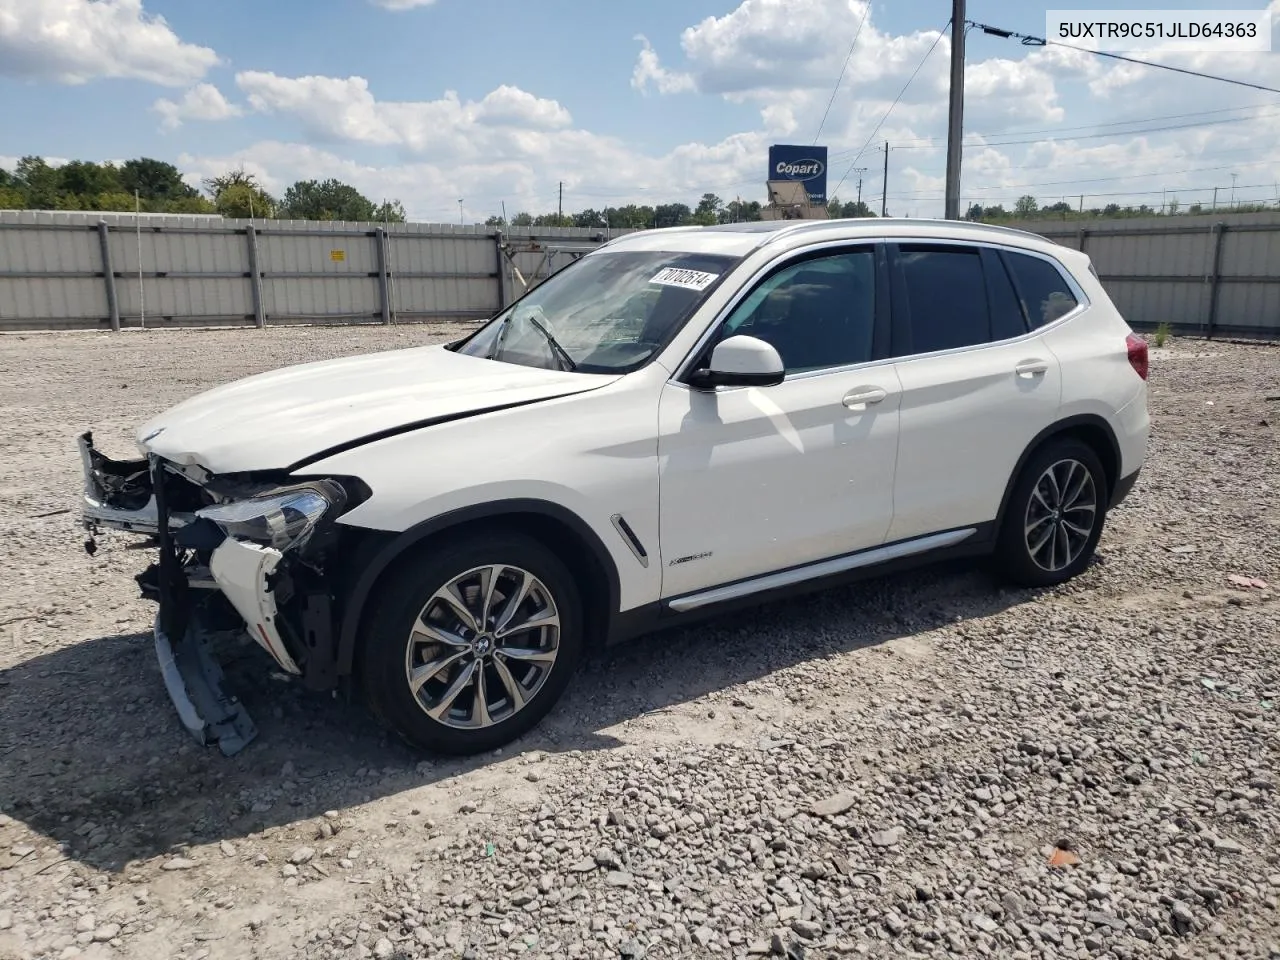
(273, 420)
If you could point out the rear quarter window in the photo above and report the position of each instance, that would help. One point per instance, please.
(1042, 288)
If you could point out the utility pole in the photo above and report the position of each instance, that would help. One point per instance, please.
(884, 186)
(859, 171)
(955, 117)
(561, 209)
(1215, 199)
(461, 216)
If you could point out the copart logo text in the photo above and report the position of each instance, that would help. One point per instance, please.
(799, 169)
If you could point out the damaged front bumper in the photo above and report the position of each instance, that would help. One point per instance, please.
(208, 583)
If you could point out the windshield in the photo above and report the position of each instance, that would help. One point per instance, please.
(606, 313)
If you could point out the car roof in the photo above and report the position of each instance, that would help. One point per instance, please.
(740, 239)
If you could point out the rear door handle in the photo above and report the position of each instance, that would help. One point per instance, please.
(1032, 368)
(862, 396)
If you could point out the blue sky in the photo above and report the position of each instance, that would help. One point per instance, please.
(497, 101)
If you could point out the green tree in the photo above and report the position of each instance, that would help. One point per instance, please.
(390, 211)
(87, 178)
(196, 204)
(738, 211)
(495, 221)
(117, 201)
(154, 180)
(11, 198)
(239, 195)
(38, 182)
(244, 201)
(631, 217)
(708, 210)
(1026, 206)
(672, 215)
(974, 212)
(522, 219)
(857, 208)
(327, 200)
(232, 178)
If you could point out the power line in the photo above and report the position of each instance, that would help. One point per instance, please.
(866, 10)
(921, 143)
(1118, 193)
(1134, 176)
(1030, 41)
(900, 95)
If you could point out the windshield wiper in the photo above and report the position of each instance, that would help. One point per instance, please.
(566, 362)
(554, 344)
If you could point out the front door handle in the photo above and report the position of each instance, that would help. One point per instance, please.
(861, 396)
(1032, 368)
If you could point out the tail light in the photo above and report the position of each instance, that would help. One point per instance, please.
(1137, 348)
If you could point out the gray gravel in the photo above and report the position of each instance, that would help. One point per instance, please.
(923, 765)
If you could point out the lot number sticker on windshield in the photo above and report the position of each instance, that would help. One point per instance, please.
(689, 279)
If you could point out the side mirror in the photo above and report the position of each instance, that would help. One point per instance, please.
(741, 361)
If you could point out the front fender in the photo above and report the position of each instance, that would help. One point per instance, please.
(392, 549)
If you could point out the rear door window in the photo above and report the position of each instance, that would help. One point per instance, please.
(946, 297)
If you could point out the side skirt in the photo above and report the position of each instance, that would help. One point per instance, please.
(799, 581)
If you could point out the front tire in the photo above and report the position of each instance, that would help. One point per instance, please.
(472, 643)
(1055, 515)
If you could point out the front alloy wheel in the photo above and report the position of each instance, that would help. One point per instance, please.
(471, 643)
(483, 646)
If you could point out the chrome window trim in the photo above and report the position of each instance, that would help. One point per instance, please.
(1083, 303)
(748, 286)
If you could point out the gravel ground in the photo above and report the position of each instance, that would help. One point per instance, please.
(922, 765)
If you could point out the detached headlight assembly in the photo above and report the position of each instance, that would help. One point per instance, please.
(277, 520)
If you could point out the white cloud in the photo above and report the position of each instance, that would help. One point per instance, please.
(204, 101)
(75, 41)
(782, 59)
(401, 4)
(511, 106)
(649, 69)
(343, 108)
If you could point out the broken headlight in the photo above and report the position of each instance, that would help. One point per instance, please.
(276, 520)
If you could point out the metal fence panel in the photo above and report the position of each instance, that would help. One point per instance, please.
(198, 270)
(1214, 273)
(1207, 273)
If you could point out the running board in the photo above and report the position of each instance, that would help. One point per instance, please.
(824, 568)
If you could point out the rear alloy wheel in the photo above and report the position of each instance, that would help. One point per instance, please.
(1055, 515)
(472, 645)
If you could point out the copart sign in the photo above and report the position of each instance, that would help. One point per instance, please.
(806, 163)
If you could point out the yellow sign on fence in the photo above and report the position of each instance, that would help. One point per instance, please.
(337, 256)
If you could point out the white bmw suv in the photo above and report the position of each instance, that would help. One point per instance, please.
(682, 421)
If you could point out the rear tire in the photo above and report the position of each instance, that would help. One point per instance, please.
(1055, 515)
(455, 673)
